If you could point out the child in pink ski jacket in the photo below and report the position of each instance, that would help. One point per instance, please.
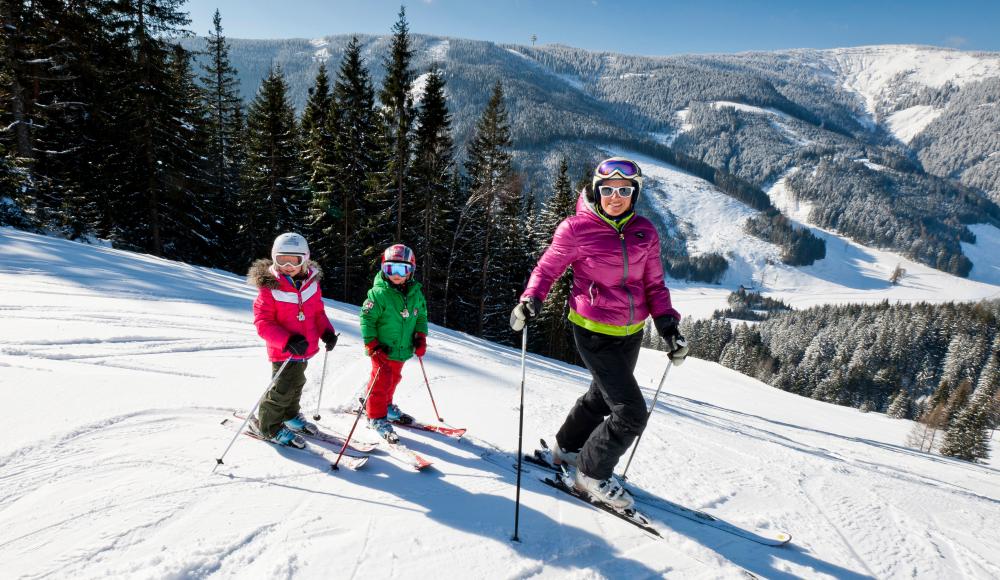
(290, 317)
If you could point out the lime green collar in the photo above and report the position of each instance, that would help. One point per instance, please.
(617, 225)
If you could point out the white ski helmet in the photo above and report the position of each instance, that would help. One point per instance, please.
(290, 244)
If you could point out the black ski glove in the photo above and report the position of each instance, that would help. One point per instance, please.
(676, 345)
(329, 339)
(529, 307)
(296, 345)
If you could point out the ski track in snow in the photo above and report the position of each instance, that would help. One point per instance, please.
(115, 481)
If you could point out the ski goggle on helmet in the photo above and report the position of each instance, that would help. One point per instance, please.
(398, 260)
(290, 249)
(616, 168)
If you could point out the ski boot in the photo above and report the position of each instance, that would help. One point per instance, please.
(384, 429)
(560, 456)
(607, 491)
(284, 436)
(397, 416)
(299, 423)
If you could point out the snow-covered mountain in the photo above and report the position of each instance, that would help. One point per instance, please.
(850, 272)
(120, 368)
(929, 116)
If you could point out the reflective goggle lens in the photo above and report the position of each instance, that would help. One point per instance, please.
(608, 191)
(622, 167)
(288, 260)
(396, 269)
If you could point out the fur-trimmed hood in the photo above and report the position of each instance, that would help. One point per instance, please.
(262, 275)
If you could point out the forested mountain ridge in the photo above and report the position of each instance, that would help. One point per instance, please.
(925, 119)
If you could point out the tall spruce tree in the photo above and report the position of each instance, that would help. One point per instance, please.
(553, 327)
(149, 163)
(496, 223)
(319, 156)
(429, 210)
(188, 229)
(397, 107)
(47, 105)
(968, 435)
(359, 170)
(272, 199)
(224, 126)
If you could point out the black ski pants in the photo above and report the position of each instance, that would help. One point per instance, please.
(282, 401)
(614, 394)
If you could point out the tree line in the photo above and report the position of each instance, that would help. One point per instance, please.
(938, 364)
(109, 131)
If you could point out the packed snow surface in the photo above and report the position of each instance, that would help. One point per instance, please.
(120, 368)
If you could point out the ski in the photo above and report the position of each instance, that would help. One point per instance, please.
(406, 455)
(352, 462)
(631, 516)
(456, 432)
(357, 446)
(328, 435)
(541, 458)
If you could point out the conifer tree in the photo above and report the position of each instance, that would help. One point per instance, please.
(359, 170)
(899, 408)
(187, 228)
(397, 108)
(47, 106)
(272, 199)
(969, 433)
(429, 210)
(148, 164)
(224, 126)
(494, 204)
(318, 156)
(553, 326)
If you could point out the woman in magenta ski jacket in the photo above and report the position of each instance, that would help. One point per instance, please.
(617, 284)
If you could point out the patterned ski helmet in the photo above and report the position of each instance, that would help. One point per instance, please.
(290, 244)
(400, 254)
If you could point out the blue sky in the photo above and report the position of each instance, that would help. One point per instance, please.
(634, 27)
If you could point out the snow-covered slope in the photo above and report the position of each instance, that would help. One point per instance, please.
(850, 273)
(872, 71)
(119, 368)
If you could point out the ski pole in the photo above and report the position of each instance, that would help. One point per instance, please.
(520, 433)
(428, 383)
(322, 379)
(361, 410)
(253, 409)
(648, 415)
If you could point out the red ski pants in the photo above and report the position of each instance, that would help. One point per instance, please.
(386, 375)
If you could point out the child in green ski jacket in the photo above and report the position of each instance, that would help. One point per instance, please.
(393, 328)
